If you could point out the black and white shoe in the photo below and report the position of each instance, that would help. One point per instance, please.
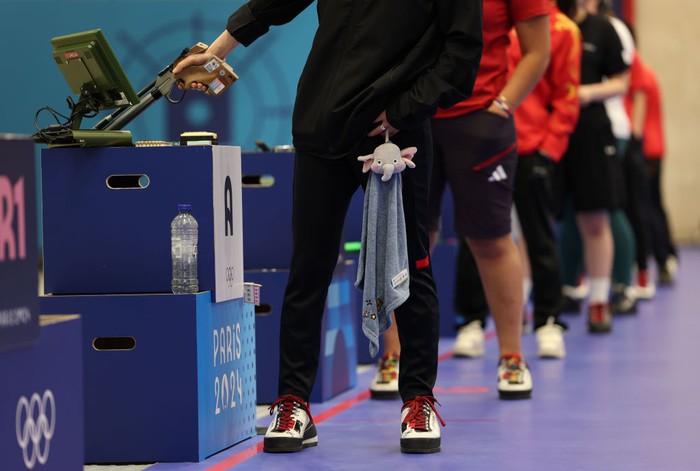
(420, 426)
(292, 428)
(624, 300)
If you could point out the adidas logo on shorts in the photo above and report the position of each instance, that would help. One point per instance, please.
(498, 174)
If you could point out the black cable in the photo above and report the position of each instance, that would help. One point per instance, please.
(51, 132)
(84, 108)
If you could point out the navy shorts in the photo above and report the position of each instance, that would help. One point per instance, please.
(476, 155)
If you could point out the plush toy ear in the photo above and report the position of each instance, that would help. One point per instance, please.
(367, 159)
(409, 152)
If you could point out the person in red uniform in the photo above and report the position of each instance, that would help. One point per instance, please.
(644, 106)
(544, 121)
(476, 154)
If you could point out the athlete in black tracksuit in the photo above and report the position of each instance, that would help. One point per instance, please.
(402, 57)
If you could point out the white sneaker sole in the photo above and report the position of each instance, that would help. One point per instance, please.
(645, 293)
(468, 352)
(551, 353)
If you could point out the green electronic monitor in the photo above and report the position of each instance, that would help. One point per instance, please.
(93, 72)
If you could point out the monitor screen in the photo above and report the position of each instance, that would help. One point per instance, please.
(92, 71)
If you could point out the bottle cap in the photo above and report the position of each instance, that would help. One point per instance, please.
(184, 207)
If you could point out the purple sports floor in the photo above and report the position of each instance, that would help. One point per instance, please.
(625, 401)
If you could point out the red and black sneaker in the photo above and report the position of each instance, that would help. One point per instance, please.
(292, 428)
(599, 319)
(645, 286)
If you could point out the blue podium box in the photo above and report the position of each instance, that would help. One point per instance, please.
(267, 209)
(168, 378)
(41, 400)
(444, 259)
(352, 227)
(363, 355)
(107, 215)
(19, 252)
(337, 370)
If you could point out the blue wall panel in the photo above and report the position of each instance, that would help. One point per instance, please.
(146, 36)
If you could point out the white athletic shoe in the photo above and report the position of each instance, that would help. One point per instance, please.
(292, 428)
(668, 271)
(514, 378)
(385, 384)
(645, 287)
(550, 340)
(469, 341)
(580, 291)
(420, 426)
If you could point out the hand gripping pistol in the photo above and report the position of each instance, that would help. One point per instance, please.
(215, 74)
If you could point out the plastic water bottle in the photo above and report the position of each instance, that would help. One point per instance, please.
(183, 243)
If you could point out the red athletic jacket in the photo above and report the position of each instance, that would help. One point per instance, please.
(499, 17)
(643, 78)
(548, 115)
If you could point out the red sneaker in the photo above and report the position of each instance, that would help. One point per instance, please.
(599, 319)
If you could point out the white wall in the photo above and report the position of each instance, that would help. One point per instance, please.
(668, 34)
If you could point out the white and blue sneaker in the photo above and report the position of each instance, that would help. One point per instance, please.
(292, 428)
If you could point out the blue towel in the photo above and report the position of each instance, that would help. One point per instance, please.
(382, 272)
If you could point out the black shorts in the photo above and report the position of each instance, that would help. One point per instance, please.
(590, 171)
(476, 155)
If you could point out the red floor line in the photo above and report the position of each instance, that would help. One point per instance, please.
(448, 354)
(238, 458)
(445, 356)
(338, 408)
(251, 451)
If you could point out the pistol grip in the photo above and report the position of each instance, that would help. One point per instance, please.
(215, 74)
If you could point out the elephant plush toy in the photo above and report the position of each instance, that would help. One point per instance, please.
(388, 159)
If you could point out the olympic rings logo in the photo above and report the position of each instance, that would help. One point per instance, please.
(35, 419)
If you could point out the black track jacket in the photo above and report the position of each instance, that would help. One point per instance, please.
(404, 56)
